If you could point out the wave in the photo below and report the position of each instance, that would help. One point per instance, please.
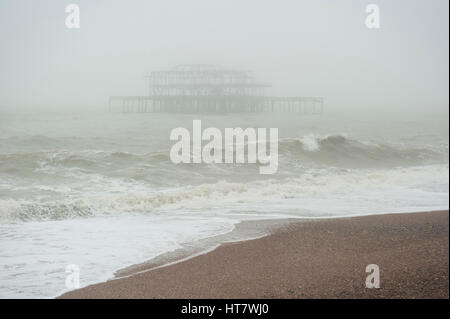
(86, 159)
(314, 183)
(331, 150)
(341, 151)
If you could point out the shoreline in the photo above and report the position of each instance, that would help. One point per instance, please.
(403, 241)
(243, 231)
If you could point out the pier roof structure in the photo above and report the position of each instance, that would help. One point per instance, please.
(203, 80)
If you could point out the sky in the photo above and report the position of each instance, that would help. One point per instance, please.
(302, 47)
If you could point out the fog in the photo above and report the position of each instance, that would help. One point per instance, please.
(90, 186)
(310, 48)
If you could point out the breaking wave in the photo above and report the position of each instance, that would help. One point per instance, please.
(331, 150)
(57, 184)
(341, 151)
(314, 183)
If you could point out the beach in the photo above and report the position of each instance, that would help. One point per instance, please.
(322, 258)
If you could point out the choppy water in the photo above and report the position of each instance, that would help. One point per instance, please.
(99, 190)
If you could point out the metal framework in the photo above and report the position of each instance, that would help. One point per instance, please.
(209, 88)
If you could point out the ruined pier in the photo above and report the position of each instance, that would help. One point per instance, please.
(210, 89)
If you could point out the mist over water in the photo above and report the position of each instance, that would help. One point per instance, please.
(79, 185)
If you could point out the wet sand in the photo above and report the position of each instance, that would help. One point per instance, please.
(308, 259)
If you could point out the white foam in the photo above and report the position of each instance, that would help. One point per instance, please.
(310, 143)
(142, 225)
(126, 198)
(35, 254)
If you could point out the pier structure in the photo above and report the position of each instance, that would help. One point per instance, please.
(210, 89)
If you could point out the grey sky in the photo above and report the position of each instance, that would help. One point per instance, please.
(303, 47)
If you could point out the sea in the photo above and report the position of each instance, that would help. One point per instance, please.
(98, 190)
